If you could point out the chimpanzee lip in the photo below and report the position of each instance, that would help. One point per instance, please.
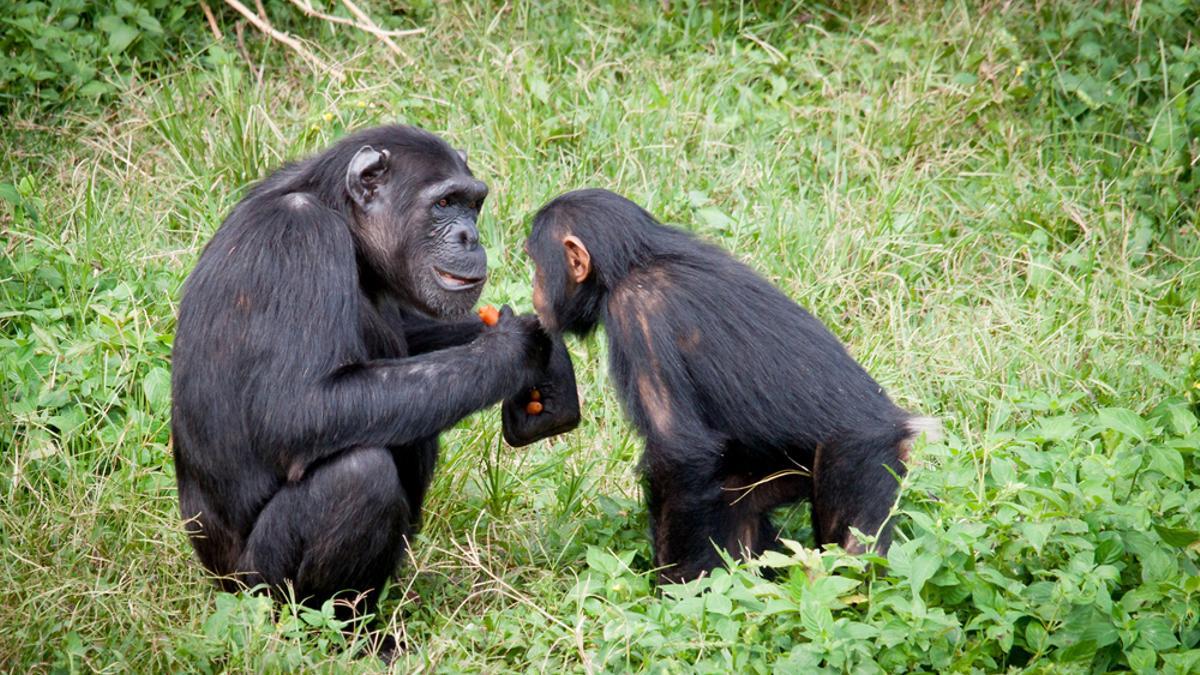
(457, 282)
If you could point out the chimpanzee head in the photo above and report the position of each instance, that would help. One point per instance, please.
(582, 243)
(414, 206)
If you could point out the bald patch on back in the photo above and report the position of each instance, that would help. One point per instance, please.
(638, 299)
(636, 304)
(656, 402)
(299, 201)
(690, 341)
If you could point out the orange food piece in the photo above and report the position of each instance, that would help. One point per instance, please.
(489, 315)
(535, 395)
(533, 408)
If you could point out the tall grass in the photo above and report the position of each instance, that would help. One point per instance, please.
(998, 248)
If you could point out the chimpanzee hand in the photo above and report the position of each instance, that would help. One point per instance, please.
(530, 344)
(558, 398)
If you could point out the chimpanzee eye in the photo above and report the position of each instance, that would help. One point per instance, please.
(442, 203)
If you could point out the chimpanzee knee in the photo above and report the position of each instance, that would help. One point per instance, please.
(341, 528)
(687, 523)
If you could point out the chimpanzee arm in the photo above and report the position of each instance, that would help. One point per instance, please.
(393, 402)
(643, 323)
(684, 460)
(428, 335)
(285, 297)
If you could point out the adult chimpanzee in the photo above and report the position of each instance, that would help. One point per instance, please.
(746, 401)
(322, 344)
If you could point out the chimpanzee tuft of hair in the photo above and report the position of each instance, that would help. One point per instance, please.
(315, 363)
(745, 400)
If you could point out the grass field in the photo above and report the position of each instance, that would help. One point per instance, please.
(995, 206)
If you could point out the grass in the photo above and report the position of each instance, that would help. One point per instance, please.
(1000, 242)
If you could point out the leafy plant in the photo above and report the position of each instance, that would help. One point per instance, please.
(53, 51)
(1129, 76)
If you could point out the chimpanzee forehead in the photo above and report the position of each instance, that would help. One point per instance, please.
(462, 185)
(435, 160)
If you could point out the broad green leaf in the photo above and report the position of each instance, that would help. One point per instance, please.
(1058, 428)
(714, 218)
(120, 37)
(816, 619)
(1142, 660)
(93, 89)
(827, 590)
(1167, 461)
(602, 561)
(965, 79)
(1110, 548)
(1037, 534)
(924, 565)
(1124, 421)
(157, 388)
(148, 23)
(1183, 421)
(1003, 471)
(1157, 633)
(1178, 537)
(718, 604)
(8, 193)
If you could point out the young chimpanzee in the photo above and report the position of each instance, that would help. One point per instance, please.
(746, 401)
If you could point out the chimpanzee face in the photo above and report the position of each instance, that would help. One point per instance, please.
(450, 255)
(541, 305)
(562, 266)
(416, 217)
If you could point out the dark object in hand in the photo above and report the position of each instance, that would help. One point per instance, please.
(550, 408)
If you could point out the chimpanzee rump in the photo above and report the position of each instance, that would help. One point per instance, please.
(745, 400)
(323, 342)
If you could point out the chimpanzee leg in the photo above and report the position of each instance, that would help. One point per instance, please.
(341, 528)
(415, 463)
(685, 521)
(751, 497)
(694, 510)
(855, 484)
(216, 542)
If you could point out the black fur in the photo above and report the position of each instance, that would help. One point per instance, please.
(746, 401)
(314, 365)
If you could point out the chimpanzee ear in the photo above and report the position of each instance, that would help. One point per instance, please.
(367, 171)
(579, 261)
(462, 154)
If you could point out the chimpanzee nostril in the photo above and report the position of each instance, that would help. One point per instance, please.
(466, 236)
